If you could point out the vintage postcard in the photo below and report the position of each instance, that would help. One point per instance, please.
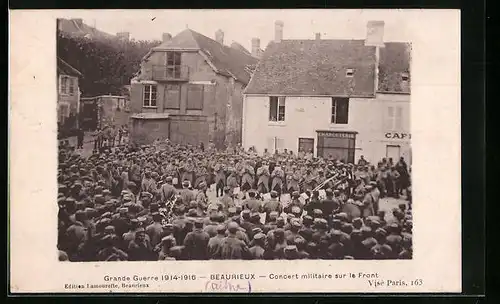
(240, 151)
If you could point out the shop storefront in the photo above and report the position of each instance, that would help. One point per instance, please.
(337, 145)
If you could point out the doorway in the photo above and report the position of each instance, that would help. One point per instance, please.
(306, 145)
(393, 151)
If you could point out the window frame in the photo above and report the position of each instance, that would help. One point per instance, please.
(280, 117)
(65, 83)
(175, 68)
(144, 105)
(334, 111)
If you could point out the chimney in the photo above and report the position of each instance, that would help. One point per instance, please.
(278, 31)
(375, 33)
(318, 36)
(125, 36)
(255, 47)
(166, 37)
(219, 36)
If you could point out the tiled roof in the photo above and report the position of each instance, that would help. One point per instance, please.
(227, 61)
(75, 28)
(311, 67)
(65, 69)
(395, 60)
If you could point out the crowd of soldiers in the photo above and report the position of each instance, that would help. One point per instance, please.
(150, 203)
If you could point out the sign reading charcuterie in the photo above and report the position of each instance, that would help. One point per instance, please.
(336, 134)
(397, 135)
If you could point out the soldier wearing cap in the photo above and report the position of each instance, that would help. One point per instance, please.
(232, 248)
(295, 203)
(252, 204)
(109, 251)
(263, 178)
(290, 252)
(215, 242)
(227, 200)
(139, 249)
(279, 243)
(196, 242)
(232, 180)
(257, 251)
(186, 195)
(155, 230)
(272, 204)
(166, 244)
(220, 179)
(293, 232)
(167, 190)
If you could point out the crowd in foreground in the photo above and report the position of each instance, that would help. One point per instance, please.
(150, 203)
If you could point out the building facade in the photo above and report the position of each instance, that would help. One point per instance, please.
(106, 110)
(68, 95)
(337, 98)
(190, 90)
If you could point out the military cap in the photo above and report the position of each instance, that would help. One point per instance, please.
(232, 210)
(140, 230)
(147, 194)
(124, 192)
(105, 221)
(109, 229)
(274, 194)
(70, 200)
(202, 185)
(295, 194)
(213, 207)
(134, 221)
(290, 248)
(317, 212)
(296, 223)
(259, 236)
(226, 188)
(221, 228)
(167, 239)
(348, 257)
(232, 226)
(256, 230)
(123, 210)
(193, 204)
(169, 179)
(373, 183)
(192, 212)
(295, 210)
(246, 213)
(106, 192)
(61, 200)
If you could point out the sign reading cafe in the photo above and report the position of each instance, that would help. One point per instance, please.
(397, 135)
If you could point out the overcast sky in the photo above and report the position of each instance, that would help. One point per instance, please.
(242, 25)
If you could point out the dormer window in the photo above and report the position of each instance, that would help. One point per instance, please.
(404, 76)
(349, 73)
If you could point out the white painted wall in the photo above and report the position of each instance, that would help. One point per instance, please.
(305, 115)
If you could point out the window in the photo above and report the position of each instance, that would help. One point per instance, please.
(195, 97)
(277, 108)
(172, 96)
(340, 110)
(349, 73)
(67, 85)
(149, 98)
(394, 118)
(63, 112)
(173, 64)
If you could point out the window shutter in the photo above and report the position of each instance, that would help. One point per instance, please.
(399, 118)
(270, 144)
(172, 96)
(342, 110)
(389, 119)
(195, 97)
(280, 144)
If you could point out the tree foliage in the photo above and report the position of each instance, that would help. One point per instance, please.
(106, 64)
